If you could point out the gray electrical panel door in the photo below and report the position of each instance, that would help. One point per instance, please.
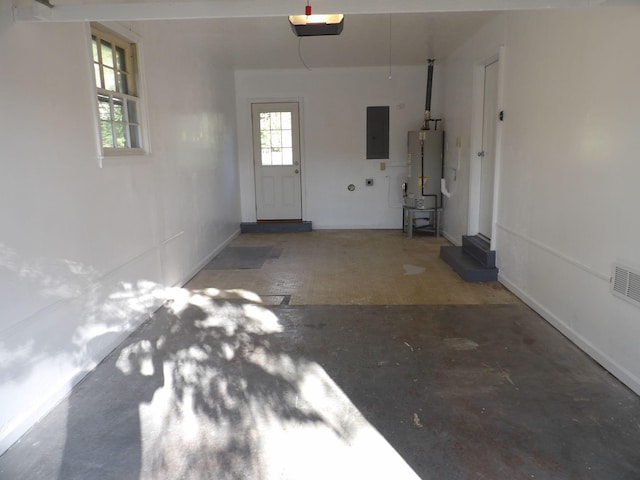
(425, 148)
(377, 132)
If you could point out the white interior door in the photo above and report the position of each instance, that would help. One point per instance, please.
(488, 152)
(276, 152)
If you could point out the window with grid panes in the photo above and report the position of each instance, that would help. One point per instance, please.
(276, 141)
(114, 66)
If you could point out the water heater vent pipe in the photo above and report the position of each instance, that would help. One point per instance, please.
(427, 103)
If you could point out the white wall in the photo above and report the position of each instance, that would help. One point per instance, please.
(333, 123)
(85, 251)
(459, 100)
(567, 206)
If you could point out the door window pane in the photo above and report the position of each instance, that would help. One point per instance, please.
(276, 157)
(266, 157)
(265, 121)
(265, 139)
(287, 138)
(276, 138)
(286, 120)
(275, 121)
(287, 156)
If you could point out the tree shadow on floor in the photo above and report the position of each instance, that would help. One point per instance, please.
(190, 394)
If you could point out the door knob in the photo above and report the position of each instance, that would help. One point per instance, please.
(297, 171)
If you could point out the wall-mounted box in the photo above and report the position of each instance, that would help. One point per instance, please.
(377, 132)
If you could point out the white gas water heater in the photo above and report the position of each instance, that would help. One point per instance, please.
(425, 150)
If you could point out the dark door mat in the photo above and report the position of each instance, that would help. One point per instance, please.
(276, 227)
(240, 258)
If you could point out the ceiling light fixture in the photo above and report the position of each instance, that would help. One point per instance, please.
(309, 25)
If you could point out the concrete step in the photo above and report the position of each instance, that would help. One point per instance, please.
(466, 266)
(480, 249)
(275, 227)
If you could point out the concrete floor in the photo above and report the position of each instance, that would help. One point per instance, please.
(459, 382)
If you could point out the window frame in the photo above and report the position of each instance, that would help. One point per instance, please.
(119, 37)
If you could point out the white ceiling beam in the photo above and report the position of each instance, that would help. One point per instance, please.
(193, 9)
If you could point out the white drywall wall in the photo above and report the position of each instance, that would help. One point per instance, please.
(333, 125)
(86, 251)
(568, 194)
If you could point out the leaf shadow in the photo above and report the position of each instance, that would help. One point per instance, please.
(191, 393)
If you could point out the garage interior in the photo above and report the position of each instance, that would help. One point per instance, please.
(142, 335)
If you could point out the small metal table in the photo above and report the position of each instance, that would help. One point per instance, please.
(410, 214)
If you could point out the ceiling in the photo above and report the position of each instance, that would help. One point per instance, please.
(367, 40)
(255, 34)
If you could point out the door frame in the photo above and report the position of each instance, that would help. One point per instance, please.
(253, 198)
(477, 113)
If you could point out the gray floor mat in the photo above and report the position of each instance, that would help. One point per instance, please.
(240, 258)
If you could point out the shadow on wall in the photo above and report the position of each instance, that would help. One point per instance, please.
(55, 308)
(58, 319)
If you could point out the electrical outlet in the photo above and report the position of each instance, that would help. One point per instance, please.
(369, 182)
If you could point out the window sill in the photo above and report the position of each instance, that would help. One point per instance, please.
(123, 157)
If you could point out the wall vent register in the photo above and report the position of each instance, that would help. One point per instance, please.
(626, 283)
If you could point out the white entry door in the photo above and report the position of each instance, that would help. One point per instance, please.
(276, 152)
(488, 151)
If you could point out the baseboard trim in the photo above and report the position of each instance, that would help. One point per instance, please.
(451, 239)
(581, 342)
(192, 273)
